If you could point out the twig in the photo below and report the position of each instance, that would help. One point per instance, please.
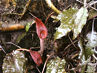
(23, 49)
(87, 5)
(51, 5)
(48, 56)
(38, 69)
(43, 8)
(34, 48)
(94, 57)
(72, 42)
(48, 17)
(92, 3)
(32, 15)
(70, 45)
(13, 44)
(2, 49)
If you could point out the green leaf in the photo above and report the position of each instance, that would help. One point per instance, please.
(27, 27)
(56, 66)
(14, 63)
(80, 20)
(71, 20)
(67, 21)
(29, 24)
(92, 13)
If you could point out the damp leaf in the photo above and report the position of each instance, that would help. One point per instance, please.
(92, 39)
(80, 20)
(71, 20)
(67, 21)
(91, 68)
(56, 65)
(36, 57)
(14, 62)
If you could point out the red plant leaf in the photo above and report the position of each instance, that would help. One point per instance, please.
(36, 57)
(41, 29)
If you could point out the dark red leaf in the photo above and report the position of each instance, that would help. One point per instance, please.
(36, 57)
(40, 28)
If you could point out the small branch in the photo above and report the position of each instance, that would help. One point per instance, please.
(13, 44)
(23, 49)
(2, 49)
(48, 17)
(51, 5)
(48, 56)
(72, 42)
(87, 5)
(38, 69)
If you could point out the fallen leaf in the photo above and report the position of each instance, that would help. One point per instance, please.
(56, 65)
(14, 62)
(71, 20)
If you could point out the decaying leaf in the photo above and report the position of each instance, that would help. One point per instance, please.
(92, 39)
(91, 68)
(66, 18)
(80, 20)
(56, 66)
(87, 51)
(71, 20)
(14, 63)
(92, 14)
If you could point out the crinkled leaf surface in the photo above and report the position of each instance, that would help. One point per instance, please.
(92, 14)
(56, 66)
(91, 68)
(85, 52)
(71, 20)
(80, 20)
(14, 63)
(92, 39)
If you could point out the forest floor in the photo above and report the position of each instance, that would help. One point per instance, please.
(15, 15)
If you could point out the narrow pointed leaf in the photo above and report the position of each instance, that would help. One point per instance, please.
(79, 21)
(67, 23)
(14, 62)
(71, 20)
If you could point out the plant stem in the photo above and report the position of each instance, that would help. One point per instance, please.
(41, 46)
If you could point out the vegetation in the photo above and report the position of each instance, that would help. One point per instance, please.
(48, 36)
